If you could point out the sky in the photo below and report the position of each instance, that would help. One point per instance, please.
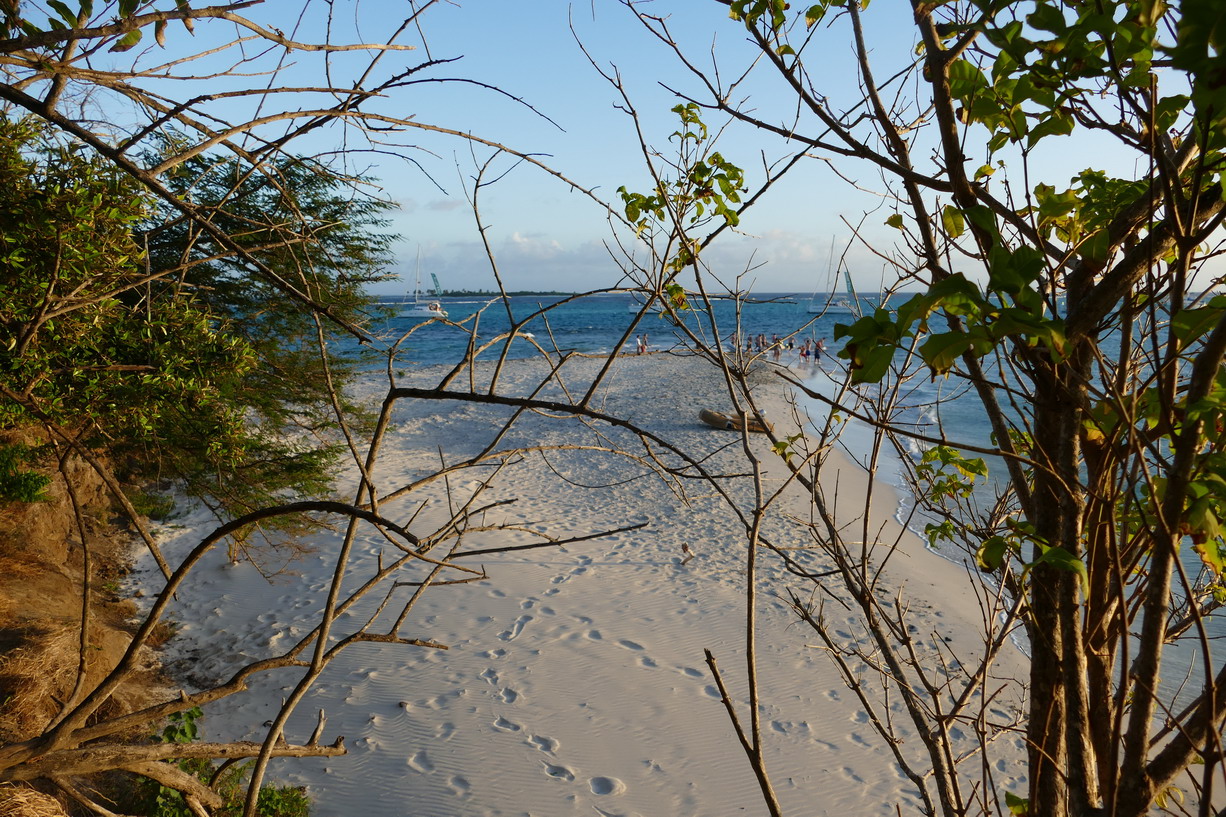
(525, 75)
(547, 236)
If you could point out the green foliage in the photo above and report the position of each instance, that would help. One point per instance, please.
(707, 187)
(1012, 309)
(183, 364)
(85, 340)
(309, 226)
(784, 448)
(949, 475)
(1200, 51)
(156, 506)
(155, 800)
(16, 483)
(181, 726)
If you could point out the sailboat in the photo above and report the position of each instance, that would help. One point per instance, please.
(418, 308)
(831, 305)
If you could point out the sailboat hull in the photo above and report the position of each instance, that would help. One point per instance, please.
(423, 311)
(838, 307)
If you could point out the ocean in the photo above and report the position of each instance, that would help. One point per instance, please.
(598, 324)
(594, 324)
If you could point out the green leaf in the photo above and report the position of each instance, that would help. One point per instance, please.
(942, 351)
(1213, 553)
(64, 12)
(895, 221)
(872, 367)
(1019, 806)
(991, 554)
(128, 41)
(966, 80)
(1048, 18)
(814, 15)
(1189, 325)
(1149, 12)
(953, 221)
(1058, 124)
(1061, 559)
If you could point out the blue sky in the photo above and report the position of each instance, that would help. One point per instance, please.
(546, 236)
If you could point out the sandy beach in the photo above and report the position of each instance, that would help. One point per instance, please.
(575, 680)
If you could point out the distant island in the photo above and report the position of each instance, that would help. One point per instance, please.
(490, 293)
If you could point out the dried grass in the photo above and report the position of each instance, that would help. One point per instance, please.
(36, 675)
(19, 801)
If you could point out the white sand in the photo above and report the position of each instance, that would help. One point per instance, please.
(575, 682)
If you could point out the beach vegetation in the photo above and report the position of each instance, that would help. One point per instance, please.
(163, 366)
(154, 799)
(18, 483)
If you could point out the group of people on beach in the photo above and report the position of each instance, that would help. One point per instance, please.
(810, 348)
(642, 343)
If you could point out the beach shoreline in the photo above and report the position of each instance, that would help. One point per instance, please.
(574, 682)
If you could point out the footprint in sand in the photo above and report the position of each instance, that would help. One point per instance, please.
(559, 772)
(437, 702)
(490, 676)
(508, 695)
(546, 745)
(494, 654)
(648, 662)
(460, 785)
(630, 645)
(516, 629)
(594, 635)
(578, 571)
(693, 673)
(506, 725)
(420, 762)
(444, 730)
(603, 786)
(527, 604)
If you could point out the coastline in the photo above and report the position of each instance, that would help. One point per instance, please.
(575, 681)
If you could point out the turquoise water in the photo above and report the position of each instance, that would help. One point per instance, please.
(595, 324)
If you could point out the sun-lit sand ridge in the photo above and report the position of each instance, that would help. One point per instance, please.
(575, 682)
